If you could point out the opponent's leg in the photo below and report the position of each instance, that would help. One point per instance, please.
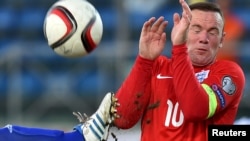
(19, 133)
(94, 128)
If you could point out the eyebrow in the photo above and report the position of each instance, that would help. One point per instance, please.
(195, 25)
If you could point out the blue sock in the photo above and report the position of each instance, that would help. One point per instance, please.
(19, 133)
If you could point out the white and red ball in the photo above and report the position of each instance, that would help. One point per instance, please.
(73, 28)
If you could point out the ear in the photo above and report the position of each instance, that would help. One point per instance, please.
(220, 45)
(222, 39)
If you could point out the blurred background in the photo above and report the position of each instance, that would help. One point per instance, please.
(40, 88)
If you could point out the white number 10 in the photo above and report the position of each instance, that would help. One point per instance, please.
(172, 113)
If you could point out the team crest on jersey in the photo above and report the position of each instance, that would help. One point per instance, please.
(228, 85)
(201, 76)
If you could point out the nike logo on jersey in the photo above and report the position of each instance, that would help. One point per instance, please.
(159, 76)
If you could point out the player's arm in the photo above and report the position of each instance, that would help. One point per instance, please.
(190, 95)
(192, 98)
(133, 95)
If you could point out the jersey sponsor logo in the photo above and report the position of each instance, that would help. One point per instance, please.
(228, 85)
(201, 76)
(159, 76)
(219, 94)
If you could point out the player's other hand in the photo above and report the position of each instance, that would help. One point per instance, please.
(153, 38)
(181, 24)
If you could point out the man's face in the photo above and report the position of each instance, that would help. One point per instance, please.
(204, 37)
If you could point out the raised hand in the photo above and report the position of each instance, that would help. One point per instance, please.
(153, 38)
(181, 24)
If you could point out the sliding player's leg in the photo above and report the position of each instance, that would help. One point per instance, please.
(21, 133)
(94, 128)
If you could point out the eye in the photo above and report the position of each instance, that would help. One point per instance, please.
(213, 32)
(196, 29)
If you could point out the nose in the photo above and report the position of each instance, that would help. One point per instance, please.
(204, 37)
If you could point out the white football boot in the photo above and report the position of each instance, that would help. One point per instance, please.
(96, 127)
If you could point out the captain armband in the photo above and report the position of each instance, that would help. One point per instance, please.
(212, 99)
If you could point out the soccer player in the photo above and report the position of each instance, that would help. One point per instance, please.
(177, 97)
(94, 128)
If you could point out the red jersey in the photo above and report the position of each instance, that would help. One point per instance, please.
(177, 101)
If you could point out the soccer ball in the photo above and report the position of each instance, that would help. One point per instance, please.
(73, 28)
